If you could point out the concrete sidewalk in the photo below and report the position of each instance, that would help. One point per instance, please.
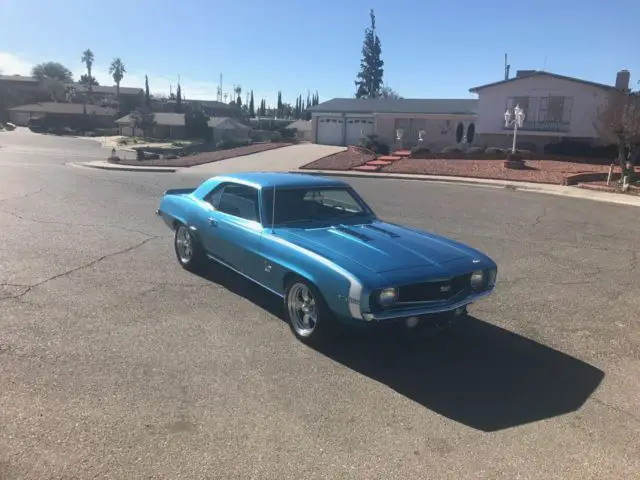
(573, 192)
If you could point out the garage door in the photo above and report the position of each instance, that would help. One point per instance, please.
(330, 131)
(356, 128)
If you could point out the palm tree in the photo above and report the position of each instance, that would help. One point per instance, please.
(87, 59)
(117, 70)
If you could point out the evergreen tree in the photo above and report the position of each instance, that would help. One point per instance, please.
(369, 79)
(316, 99)
(279, 105)
(179, 99)
(147, 95)
(252, 107)
(308, 100)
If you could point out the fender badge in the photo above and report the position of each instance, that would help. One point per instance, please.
(475, 260)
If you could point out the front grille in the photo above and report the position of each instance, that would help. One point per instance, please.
(434, 291)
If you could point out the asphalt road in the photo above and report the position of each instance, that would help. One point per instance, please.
(116, 363)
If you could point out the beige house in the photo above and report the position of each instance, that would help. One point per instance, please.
(303, 128)
(172, 126)
(555, 107)
(438, 122)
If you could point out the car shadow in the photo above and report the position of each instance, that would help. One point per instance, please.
(475, 373)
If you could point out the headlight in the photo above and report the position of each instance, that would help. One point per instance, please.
(477, 280)
(388, 296)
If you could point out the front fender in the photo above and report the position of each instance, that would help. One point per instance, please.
(341, 289)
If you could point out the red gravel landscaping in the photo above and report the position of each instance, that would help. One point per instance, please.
(342, 160)
(540, 171)
(205, 157)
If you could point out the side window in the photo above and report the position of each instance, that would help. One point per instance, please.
(240, 201)
(214, 196)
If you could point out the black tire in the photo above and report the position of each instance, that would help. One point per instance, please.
(325, 323)
(196, 259)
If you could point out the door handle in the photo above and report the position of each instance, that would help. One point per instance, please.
(213, 222)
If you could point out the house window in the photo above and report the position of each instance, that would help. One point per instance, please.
(471, 132)
(459, 132)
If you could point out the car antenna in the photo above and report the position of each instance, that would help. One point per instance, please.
(273, 210)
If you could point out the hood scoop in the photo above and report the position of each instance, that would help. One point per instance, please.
(351, 233)
(383, 231)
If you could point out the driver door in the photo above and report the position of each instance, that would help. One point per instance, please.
(234, 228)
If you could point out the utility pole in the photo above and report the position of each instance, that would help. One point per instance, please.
(507, 67)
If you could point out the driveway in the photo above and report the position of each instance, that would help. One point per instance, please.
(279, 159)
(116, 363)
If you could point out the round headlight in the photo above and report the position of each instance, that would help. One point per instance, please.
(388, 296)
(477, 279)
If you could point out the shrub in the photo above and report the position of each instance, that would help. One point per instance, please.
(373, 143)
(475, 150)
(514, 157)
(527, 146)
(451, 150)
(276, 137)
(227, 144)
(575, 148)
(494, 151)
(420, 151)
(288, 134)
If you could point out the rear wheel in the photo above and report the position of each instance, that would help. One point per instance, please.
(188, 249)
(308, 315)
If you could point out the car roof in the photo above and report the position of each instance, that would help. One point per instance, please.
(280, 179)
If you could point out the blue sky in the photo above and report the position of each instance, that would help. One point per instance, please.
(430, 49)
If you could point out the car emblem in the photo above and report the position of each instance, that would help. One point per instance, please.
(445, 288)
(475, 260)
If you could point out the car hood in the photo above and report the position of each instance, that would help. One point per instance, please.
(381, 247)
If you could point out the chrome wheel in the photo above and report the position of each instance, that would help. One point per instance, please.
(184, 244)
(303, 309)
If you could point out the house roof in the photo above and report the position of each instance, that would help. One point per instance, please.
(301, 125)
(64, 108)
(451, 106)
(537, 73)
(177, 120)
(108, 89)
(18, 78)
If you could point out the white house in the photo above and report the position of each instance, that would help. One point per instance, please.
(443, 122)
(555, 106)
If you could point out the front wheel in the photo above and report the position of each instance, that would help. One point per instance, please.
(307, 313)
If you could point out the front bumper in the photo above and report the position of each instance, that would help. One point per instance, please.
(425, 309)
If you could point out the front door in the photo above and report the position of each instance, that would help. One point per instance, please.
(234, 228)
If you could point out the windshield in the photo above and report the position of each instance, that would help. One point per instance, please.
(295, 205)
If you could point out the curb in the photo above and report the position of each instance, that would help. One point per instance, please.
(126, 168)
(549, 189)
(415, 178)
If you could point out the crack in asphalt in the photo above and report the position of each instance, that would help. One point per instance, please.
(69, 224)
(539, 218)
(29, 288)
(24, 195)
(617, 409)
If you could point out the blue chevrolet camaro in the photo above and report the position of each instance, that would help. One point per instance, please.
(314, 242)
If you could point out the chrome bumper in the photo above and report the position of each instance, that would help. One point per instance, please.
(426, 309)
